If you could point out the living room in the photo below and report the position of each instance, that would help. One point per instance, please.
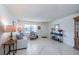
(35, 23)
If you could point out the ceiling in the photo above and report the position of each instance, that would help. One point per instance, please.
(41, 12)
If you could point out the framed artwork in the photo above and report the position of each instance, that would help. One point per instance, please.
(56, 27)
(39, 27)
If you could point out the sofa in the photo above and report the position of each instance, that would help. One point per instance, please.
(21, 41)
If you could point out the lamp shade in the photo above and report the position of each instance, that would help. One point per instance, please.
(1, 28)
(6, 25)
(8, 28)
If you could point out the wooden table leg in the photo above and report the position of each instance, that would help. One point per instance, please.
(9, 49)
(4, 49)
(13, 50)
(16, 46)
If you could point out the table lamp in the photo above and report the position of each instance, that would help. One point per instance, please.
(10, 28)
(5, 27)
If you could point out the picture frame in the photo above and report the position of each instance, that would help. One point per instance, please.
(56, 27)
(39, 27)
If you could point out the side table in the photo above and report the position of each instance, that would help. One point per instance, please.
(10, 43)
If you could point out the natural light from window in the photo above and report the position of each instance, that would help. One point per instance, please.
(29, 28)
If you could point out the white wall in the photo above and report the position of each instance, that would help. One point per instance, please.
(44, 27)
(67, 24)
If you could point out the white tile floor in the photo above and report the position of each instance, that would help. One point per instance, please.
(47, 47)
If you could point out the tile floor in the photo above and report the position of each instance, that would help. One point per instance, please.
(47, 47)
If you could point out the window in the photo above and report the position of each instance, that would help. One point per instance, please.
(28, 28)
(34, 28)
